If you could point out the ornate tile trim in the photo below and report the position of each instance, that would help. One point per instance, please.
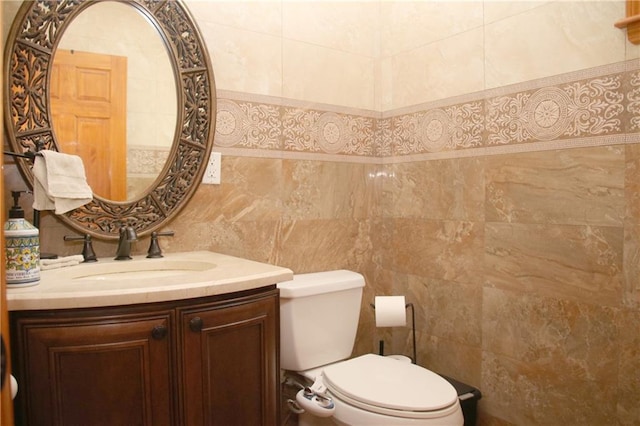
(599, 106)
(145, 160)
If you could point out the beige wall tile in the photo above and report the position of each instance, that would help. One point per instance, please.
(632, 183)
(446, 250)
(442, 189)
(632, 51)
(547, 392)
(321, 245)
(498, 10)
(319, 74)
(407, 25)
(263, 16)
(326, 190)
(551, 39)
(562, 352)
(251, 190)
(244, 61)
(631, 295)
(581, 263)
(451, 358)
(384, 84)
(442, 69)
(628, 377)
(347, 26)
(445, 309)
(577, 186)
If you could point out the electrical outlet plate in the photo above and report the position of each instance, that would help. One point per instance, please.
(212, 173)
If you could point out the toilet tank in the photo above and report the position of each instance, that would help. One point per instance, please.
(319, 315)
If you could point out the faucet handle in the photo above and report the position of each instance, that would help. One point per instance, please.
(154, 247)
(87, 250)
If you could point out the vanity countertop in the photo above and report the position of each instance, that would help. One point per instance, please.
(176, 276)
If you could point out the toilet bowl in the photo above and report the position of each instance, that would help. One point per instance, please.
(375, 390)
(319, 316)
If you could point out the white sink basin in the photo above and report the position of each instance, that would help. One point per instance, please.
(137, 269)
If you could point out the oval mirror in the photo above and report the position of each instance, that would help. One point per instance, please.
(37, 33)
(113, 99)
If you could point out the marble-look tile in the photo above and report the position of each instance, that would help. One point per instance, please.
(577, 186)
(442, 189)
(406, 25)
(632, 183)
(252, 15)
(632, 51)
(250, 190)
(545, 393)
(545, 360)
(631, 266)
(347, 26)
(486, 419)
(444, 309)
(326, 190)
(243, 60)
(453, 359)
(446, 250)
(322, 245)
(629, 368)
(551, 39)
(446, 68)
(383, 83)
(319, 74)
(254, 240)
(497, 10)
(536, 329)
(581, 263)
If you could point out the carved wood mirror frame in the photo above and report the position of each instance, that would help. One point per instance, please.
(32, 42)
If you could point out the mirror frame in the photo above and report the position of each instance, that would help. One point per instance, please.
(31, 45)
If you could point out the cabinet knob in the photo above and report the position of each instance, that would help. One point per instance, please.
(196, 324)
(159, 332)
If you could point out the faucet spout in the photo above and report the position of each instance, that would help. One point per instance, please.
(127, 236)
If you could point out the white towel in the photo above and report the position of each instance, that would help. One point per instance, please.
(60, 183)
(60, 262)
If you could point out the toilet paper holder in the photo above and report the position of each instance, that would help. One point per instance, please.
(413, 331)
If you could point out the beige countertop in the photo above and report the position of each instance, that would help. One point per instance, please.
(176, 276)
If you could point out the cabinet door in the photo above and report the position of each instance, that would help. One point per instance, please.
(96, 371)
(230, 366)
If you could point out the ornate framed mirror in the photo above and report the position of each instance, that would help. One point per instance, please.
(32, 43)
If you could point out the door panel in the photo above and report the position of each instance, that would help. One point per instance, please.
(88, 106)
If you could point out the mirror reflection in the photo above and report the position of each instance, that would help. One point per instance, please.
(113, 97)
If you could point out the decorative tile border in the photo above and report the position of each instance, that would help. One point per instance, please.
(592, 107)
(143, 160)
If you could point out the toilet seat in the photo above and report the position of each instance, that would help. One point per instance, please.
(386, 386)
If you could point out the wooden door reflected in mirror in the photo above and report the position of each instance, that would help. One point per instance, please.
(88, 105)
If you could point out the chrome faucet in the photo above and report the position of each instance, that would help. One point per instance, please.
(127, 236)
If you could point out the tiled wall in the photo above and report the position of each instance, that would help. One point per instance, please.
(481, 158)
(507, 216)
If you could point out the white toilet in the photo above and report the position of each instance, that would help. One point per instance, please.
(319, 315)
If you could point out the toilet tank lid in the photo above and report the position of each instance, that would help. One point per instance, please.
(304, 285)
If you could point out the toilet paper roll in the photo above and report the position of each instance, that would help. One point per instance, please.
(390, 311)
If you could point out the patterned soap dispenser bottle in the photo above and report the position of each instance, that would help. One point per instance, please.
(22, 248)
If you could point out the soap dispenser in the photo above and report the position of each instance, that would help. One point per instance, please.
(22, 248)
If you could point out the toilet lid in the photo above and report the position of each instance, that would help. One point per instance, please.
(389, 384)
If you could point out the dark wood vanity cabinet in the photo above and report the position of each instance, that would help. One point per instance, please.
(207, 361)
